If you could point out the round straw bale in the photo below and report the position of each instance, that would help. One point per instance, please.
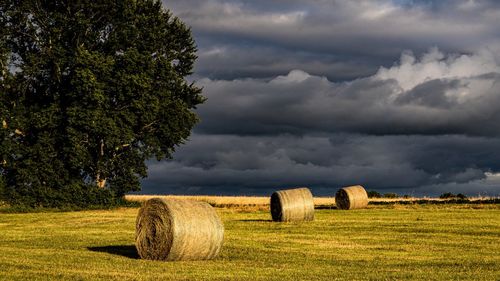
(351, 197)
(169, 229)
(292, 205)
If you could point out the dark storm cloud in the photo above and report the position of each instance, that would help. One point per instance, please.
(302, 34)
(434, 95)
(217, 164)
(232, 62)
(403, 129)
(397, 95)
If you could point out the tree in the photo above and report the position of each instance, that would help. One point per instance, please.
(449, 195)
(391, 195)
(4, 74)
(97, 88)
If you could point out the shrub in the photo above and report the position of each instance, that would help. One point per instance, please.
(390, 195)
(73, 196)
(449, 195)
(2, 189)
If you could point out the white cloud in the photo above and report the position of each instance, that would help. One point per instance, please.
(294, 76)
(411, 72)
(375, 11)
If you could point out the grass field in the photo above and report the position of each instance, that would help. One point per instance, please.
(242, 201)
(384, 242)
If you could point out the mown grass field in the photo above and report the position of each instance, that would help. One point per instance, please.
(384, 242)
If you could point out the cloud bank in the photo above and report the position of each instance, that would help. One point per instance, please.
(433, 95)
(424, 125)
(397, 95)
(341, 40)
(225, 164)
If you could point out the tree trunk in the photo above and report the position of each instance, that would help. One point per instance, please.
(101, 182)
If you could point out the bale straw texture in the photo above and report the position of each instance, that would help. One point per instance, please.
(292, 205)
(351, 197)
(169, 229)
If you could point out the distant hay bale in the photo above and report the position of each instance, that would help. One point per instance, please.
(292, 205)
(172, 230)
(351, 197)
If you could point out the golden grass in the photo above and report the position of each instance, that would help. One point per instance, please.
(426, 242)
(223, 201)
(256, 201)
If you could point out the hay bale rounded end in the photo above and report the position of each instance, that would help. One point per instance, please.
(292, 205)
(173, 230)
(351, 197)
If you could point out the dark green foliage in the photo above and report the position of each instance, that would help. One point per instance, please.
(449, 195)
(94, 89)
(374, 194)
(390, 195)
(438, 202)
(2, 190)
(71, 196)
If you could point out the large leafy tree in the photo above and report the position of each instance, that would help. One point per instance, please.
(4, 73)
(92, 89)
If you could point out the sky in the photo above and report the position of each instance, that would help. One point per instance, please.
(398, 96)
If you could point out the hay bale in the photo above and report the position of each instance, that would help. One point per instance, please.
(169, 229)
(351, 197)
(292, 205)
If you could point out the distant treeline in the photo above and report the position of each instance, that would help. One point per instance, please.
(438, 202)
(447, 195)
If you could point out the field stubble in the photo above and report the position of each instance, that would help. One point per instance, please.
(384, 242)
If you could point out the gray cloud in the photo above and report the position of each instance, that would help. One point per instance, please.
(483, 187)
(350, 33)
(222, 164)
(232, 62)
(435, 94)
(311, 93)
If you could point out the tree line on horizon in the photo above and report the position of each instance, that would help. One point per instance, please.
(392, 195)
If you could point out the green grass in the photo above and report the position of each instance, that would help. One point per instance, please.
(444, 242)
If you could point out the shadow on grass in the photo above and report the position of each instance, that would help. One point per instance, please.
(325, 207)
(255, 220)
(128, 251)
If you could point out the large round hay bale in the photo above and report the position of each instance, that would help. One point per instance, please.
(169, 229)
(292, 205)
(351, 197)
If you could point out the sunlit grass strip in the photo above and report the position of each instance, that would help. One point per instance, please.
(230, 201)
